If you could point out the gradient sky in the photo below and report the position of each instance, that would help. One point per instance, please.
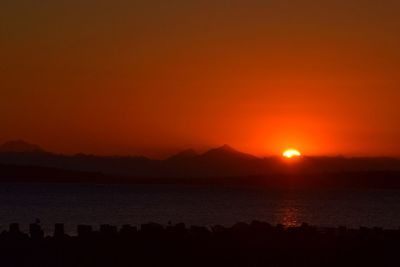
(151, 77)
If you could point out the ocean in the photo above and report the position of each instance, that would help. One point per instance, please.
(74, 204)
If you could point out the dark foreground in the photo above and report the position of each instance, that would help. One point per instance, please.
(255, 244)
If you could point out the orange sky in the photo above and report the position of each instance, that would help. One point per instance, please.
(153, 77)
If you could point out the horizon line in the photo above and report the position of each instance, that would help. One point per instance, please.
(198, 153)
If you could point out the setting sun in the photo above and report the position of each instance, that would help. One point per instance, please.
(290, 153)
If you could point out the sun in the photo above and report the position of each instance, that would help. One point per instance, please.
(290, 153)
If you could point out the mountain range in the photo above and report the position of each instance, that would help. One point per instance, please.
(223, 161)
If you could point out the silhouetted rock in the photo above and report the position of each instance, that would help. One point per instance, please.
(108, 231)
(35, 231)
(59, 231)
(84, 231)
(128, 230)
(254, 244)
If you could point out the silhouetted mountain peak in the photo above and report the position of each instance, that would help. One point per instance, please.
(20, 146)
(227, 148)
(185, 154)
(226, 151)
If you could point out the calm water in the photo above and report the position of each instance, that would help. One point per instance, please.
(132, 204)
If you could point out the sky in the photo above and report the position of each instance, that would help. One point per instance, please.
(152, 77)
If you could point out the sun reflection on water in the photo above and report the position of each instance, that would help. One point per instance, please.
(289, 215)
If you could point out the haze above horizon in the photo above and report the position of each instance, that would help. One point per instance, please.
(156, 77)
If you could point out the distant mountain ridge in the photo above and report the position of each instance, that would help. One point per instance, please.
(19, 146)
(223, 161)
(183, 155)
(226, 151)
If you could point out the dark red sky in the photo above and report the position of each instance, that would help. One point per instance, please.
(151, 77)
